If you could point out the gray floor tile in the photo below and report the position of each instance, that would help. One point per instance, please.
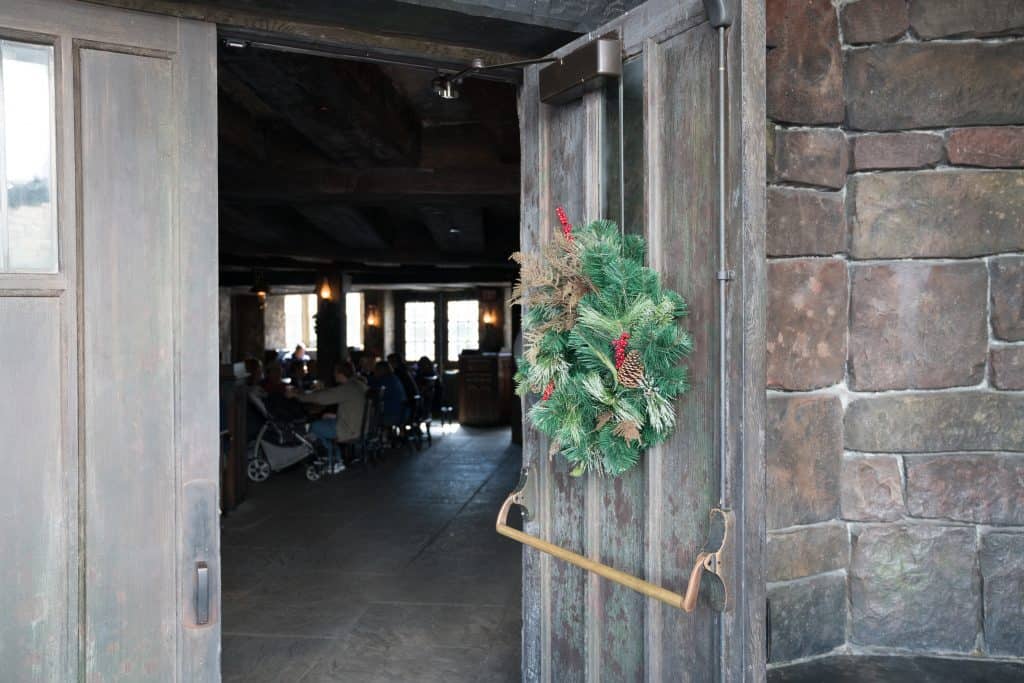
(391, 575)
(248, 659)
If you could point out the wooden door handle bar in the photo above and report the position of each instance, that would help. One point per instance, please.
(686, 602)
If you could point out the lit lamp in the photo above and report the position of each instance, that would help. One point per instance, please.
(325, 289)
(372, 317)
(492, 338)
(260, 289)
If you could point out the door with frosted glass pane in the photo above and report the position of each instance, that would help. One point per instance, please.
(643, 151)
(109, 557)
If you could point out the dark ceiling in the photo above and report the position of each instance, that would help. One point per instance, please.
(335, 164)
(330, 164)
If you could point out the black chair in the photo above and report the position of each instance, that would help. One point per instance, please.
(369, 448)
(425, 406)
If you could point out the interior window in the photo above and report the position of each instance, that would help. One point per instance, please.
(299, 323)
(419, 330)
(28, 219)
(463, 327)
(354, 319)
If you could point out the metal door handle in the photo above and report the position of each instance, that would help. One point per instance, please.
(202, 593)
(711, 561)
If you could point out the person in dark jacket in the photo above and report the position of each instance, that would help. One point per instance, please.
(405, 376)
(394, 401)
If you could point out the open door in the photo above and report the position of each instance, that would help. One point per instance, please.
(109, 557)
(644, 150)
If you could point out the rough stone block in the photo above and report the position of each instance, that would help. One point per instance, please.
(804, 449)
(1002, 571)
(893, 151)
(871, 489)
(936, 422)
(806, 551)
(1007, 285)
(808, 617)
(915, 587)
(909, 85)
(1008, 367)
(805, 222)
(807, 303)
(990, 146)
(918, 325)
(874, 21)
(817, 156)
(984, 488)
(804, 64)
(936, 213)
(975, 18)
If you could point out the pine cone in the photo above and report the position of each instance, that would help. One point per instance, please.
(631, 374)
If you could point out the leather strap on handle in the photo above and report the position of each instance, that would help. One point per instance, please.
(686, 602)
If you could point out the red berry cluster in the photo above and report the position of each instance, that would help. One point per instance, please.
(566, 225)
(548, 390)
(620, 345)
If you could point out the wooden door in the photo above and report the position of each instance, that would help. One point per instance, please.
(108, 425)
(653, 521)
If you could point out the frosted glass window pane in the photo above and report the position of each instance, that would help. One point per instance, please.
(29, 230)
(354, 320)
(419, 330)
(463, 327)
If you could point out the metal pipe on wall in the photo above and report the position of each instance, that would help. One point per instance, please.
(724, 275)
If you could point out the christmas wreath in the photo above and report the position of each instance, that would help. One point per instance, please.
(602, 346)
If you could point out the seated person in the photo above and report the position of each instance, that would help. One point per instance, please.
(273, 382)
(404, 376)
(366, 365)
(348, 395)
(394, 402)
(428, 383)
(297, 365)
(425, 369)
(256, 409)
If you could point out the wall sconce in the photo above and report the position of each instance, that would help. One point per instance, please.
(372, 316)
(324, 290)
(489, 318)
(260, 289)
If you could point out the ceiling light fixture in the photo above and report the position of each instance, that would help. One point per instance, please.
(260, 289)
(325, 288)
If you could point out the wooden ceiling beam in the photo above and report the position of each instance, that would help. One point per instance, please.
(251, 255)
(351, 112)
(371, 186)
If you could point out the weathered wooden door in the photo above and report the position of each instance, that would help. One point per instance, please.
(108, 432)
(653, 522)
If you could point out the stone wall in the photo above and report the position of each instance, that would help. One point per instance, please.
(896, 326)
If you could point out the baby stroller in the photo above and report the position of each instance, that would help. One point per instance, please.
(280, 443)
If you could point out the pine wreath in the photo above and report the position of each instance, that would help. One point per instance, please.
(602, 346)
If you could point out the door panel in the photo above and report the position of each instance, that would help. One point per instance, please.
(127, 186)
(653, 521)
(31, 494)
(684, 474)
(113, 359)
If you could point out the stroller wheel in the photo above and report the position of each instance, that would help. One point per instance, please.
(312, 473)
(258, 469)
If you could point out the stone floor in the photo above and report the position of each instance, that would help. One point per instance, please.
(863, 668)
(392, 575)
